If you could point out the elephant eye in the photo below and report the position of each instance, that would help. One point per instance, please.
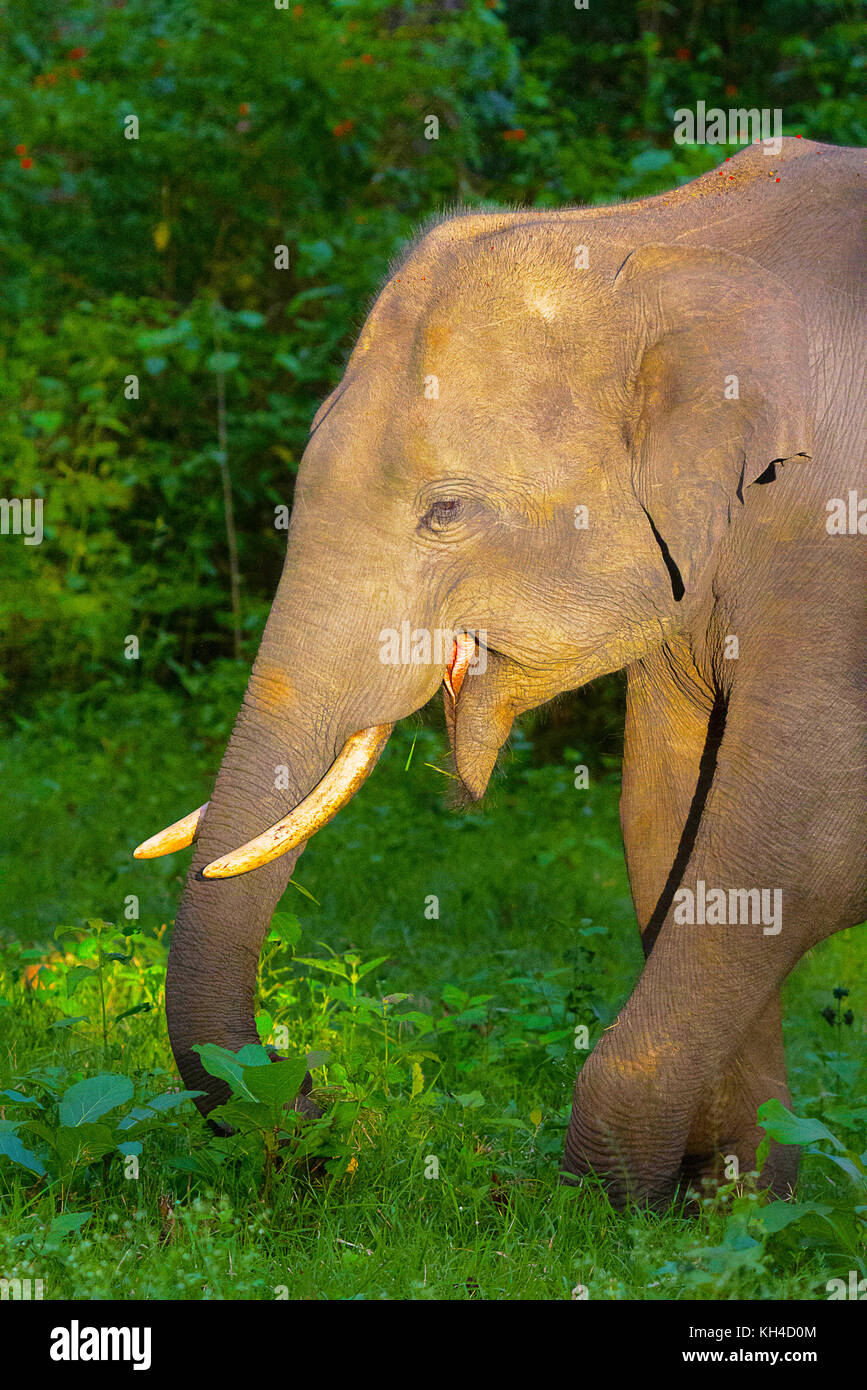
(440, 513)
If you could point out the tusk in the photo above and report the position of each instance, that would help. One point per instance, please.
(350, 768)
(463, 652)
(176, 836)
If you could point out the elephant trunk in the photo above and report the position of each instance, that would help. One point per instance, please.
(286, 737)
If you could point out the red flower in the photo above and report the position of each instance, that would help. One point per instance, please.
(514, 134)
(51, 78)
(77, 53)
(244, 108)
(20, 149)
(731, 90)
(682, 54)
(367, 57)
(297, 11)
(27, 164)
(342, 128)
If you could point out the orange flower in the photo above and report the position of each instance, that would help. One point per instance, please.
(731, 90)
(367, 57)
(77, 53)
(244, 108)
(682, 54)
(20, 149)
(51, 78)
(297, 11)
(514, 134)
(27, 164)
(342, 128)
(348, 63)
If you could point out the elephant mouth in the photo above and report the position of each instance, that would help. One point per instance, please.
(352, 766)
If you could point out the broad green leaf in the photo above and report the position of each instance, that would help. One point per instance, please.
(317, 1059)
(82, 1144)
(128, 1013)
(470, 1100)
(277, 1084)
(780, 1124)
(253, 1055)
(12, 1147)
(92, 1098)
(20, 1098)
(333, 967)
(371, 965)
(225, 1065)
(849, 1167)
(76, 975)
(68, 1222)
(778, 1215)
(170, 1100)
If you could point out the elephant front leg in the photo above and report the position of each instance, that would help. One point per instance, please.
(759, 889)
(724, 1134)
(663, 1099)
(643, 1098)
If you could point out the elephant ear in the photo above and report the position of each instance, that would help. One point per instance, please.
(720, 393)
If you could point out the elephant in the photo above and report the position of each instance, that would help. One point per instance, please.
(583, 441)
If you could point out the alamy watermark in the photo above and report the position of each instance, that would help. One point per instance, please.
(422, 646)
(77, 1343)
(22, 516)
(735, 907)
(737, 126)
(21, 1289)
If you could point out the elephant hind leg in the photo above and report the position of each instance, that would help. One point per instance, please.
(724, 1134)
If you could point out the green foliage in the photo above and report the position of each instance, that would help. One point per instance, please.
(452, 1039)
(759, 1236)
(72, 1130)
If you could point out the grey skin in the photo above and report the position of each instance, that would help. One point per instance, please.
(608, 388)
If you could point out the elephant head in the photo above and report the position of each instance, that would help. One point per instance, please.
(541, 456)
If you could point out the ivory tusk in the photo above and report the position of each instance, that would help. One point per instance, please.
(463, 653)
(176, 836)
(350, 768)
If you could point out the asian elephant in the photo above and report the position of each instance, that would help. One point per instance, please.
(585, 440)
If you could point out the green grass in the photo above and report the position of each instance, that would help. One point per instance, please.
(535, 936)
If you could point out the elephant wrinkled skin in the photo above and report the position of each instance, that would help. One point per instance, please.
(587, 440)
